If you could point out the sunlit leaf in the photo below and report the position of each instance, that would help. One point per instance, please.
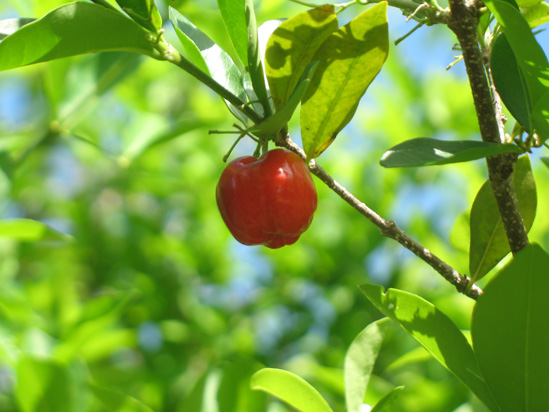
(424, 151)
(72, 29)
(510, 333)
(291, 389)
(30, 231)
(349, 60)
(359, 362)
(234, 18)
(292, 46)
(435, 332)
(489, 242)
(537, 15)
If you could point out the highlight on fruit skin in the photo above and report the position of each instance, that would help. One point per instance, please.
(268, 201)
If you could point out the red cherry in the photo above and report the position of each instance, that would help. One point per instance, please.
(267, 201)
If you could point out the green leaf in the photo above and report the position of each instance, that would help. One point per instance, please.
(510, 333)
(530, 58)
(273, 124)
(537, 15)
(540, 116)
(291, 389)
(359, 362)
(10, 26)
(234, 18)
(387, 403)
(545, 161)
(255, 65)
(234, 394)
(424, 151)
(43, 385)
(31, 231)
(210, 58)
(291, 48)
(143, 12)
(489, 243)
(70, 30)
(118, 402)
(350, 59)
(510, 82)
(435, 332)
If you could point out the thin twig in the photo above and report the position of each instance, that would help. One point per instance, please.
(388, 228)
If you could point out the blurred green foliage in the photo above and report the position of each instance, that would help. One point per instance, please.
(153, 303)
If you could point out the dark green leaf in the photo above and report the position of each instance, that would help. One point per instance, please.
(72, 29)
(30, 231)
(118, 402)
(9, 26)
(488, 239)
(350, 59)
(510, 333)
(435, 332)
(359, 362)
(143, 12)
(424, 151)
(530, 58)
(234, 18)
(510, 82)
(291, 389)
(387, 403)
(291, 48)
(545, 161)
(273, 124)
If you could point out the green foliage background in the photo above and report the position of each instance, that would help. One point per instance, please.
(153, 298)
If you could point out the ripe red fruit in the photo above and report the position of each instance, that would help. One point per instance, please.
(267, 201)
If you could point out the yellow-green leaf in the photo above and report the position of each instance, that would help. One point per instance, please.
(349, 60)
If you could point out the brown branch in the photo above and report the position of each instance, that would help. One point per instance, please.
(500, 168)
(388, 228)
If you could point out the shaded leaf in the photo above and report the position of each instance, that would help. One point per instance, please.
(435, 332)
(387, 403)
(234, 18)
(509, 81)
(291, 389)
(350, 59)
(545, 161)
(489, 242)
(70, 30)
(143, 12)
(424, 151)
(510, 333)
(118, 402)
(359, 362)
(31, 231)
(291, 48)
(9, 26)
(540, 116)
